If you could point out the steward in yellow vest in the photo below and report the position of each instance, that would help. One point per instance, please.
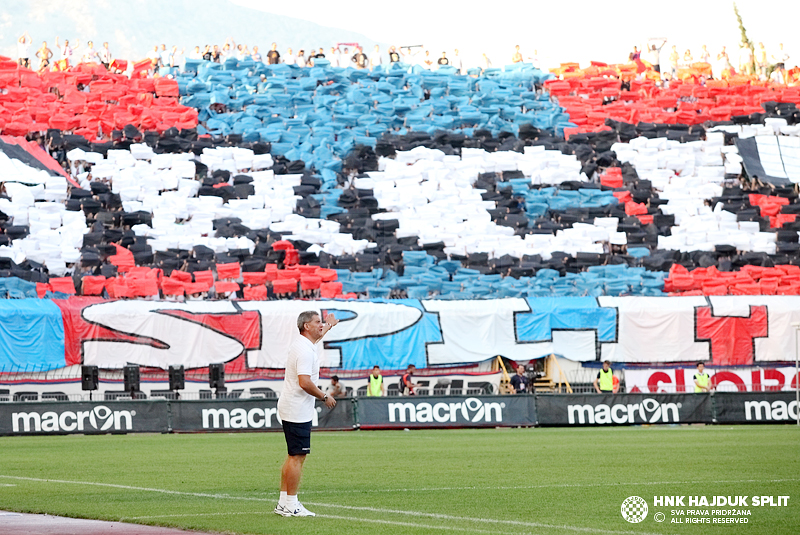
(375, 387)
(702, 382)
(604, 382)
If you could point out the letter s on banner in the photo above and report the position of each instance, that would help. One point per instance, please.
(159, 340)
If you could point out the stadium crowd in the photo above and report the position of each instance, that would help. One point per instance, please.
(757, 62)
(247, 258)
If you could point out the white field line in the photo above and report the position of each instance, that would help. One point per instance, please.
(335, 517)
(554, 485)
(424, 526)
(182, 515)
(345, 507)
(493, 521)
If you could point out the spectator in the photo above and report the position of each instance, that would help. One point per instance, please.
(195, 54)
(67, 51)
(176, 57)
(457, 63)
(687, 58)
(153, 56)
(207, 54)
(165, 56)
(273, 56)
(300, 60)
(289, 58)
(674, 59)
(24, 50)
(517, 56)
(443, 60)
(655, 55)
(227, 51)
(633, 56)
(604, 382)
(360, 59)
(745, 59)
(702, 381)
(90, 54)
(407, 56)
(781, 56)
(104, 55)
(705, 56)
(336, 388)
(375, 60)
(487, 63)
(427, 60)
(334, 57)
(241, 52)
(256, 55)
(520, 380)
(408, 387)
(778, 75)
(723, 64)
(44, 55)
(216, 55)
(761, 61)
(375, 386)
(320, 54)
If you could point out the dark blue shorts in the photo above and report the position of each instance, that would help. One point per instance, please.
(298, 437)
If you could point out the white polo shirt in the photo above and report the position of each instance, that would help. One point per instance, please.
(295, 404)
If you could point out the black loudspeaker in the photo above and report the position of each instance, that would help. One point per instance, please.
(131, 374)
(176, 378)
(90, 377)
(216, 375)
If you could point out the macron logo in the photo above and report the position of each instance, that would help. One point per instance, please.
(472, 410)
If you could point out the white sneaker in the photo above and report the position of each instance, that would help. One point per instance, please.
(281, 510)
(300, 510)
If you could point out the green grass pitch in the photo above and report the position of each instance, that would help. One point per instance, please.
(543, 481)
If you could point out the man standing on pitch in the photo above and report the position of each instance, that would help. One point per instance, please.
(296, 406)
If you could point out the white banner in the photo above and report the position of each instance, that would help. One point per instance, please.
(720, 331)
(725, 380)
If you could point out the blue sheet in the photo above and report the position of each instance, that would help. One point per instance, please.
(31, 335)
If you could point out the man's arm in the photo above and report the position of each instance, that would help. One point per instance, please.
(330, 323)
(312, 390)
(596, 386)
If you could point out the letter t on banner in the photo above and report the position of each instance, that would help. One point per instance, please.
(732, 338)
(473, 331)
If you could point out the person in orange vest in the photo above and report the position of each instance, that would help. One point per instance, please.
(407, 385)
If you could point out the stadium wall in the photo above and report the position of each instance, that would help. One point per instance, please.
(164, 416)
